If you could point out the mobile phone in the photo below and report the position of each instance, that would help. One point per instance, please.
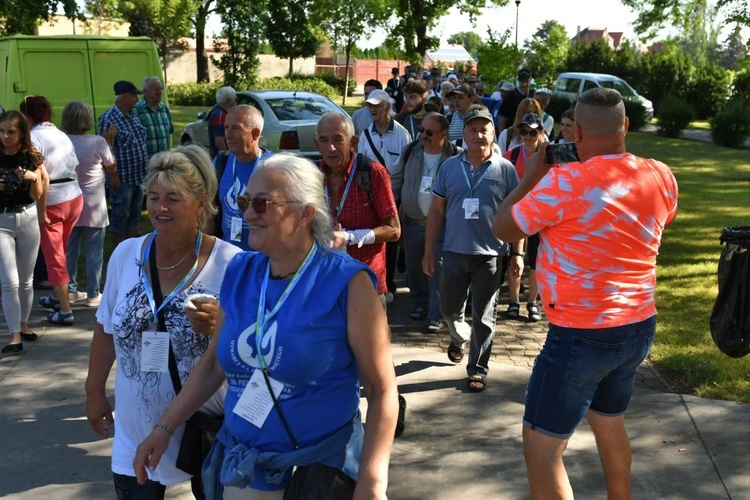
(560, 153)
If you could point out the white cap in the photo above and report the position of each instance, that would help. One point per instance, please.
(378, 96)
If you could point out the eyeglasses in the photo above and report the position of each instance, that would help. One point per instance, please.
(531, 132)
(259, 204)
(426, 131)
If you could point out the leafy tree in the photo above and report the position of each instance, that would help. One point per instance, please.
(345, 23)
(165, 21)
(24, 16)
(735, 51)
(103, 15)
(289, 30)
(417, 17)
(470, 41)
(497, 57)
(632, 65)
(592, 57)
(243, 28)
(546, 52)
(653, 15)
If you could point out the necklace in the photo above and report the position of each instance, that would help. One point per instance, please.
(169, 268)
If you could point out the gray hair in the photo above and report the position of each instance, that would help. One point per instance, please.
(148, 80)
(446, 87)
(225, 94)
(77, 118)
(340, 119)
(304, 184)
(253, 118)
(189, 170)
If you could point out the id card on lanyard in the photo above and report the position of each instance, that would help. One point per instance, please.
(471, 204)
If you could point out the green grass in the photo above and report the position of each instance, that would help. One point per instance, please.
(714, 183)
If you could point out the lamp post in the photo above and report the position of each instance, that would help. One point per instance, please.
(518, 3)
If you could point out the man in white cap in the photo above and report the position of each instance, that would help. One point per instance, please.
(502, 88)
(467, 192)
(383, 142)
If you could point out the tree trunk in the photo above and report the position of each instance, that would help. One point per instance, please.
(291, 67)
(201, 58)
(346, 73)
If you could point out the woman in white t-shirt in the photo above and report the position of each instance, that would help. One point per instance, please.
(138, 330)
(94, 157)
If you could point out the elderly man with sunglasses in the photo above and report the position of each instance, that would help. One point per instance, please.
(242, 129)
(412, 186)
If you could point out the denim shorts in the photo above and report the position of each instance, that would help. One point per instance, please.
(127, 203)
(584, 369)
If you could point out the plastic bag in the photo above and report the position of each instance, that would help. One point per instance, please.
(730, 318)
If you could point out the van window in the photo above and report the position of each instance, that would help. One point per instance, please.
(588, 85)
(573, 85)
(619, 85)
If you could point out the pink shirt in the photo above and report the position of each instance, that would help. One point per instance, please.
(600, 224)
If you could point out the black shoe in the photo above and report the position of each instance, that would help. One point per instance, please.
(29, 337)
(12, 349)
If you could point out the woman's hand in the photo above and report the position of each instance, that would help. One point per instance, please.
(110, 133)
(99, 415)
(114, 182)
(149, 453)
(30, 176)
(203, 315)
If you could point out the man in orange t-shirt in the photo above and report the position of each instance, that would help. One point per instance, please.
(600, 222)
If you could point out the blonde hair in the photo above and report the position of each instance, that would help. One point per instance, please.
(189, 170)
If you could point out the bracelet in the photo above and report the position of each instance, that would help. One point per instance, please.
(165, 428)
(519, 254)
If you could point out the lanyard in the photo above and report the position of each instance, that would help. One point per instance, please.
(352, 174)
(466, 165)
(176, 290)
(263, 318)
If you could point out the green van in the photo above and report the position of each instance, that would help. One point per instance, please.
(68, 68)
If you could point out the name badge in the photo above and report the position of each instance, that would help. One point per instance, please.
(155, 352)
(255, 403)
(235, 232)
(471, 208)
(426, 185)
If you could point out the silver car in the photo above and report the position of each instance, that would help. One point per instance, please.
(290, 118)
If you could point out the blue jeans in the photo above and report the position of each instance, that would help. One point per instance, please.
(93, 239)
(127, 488)
(584, 369)
(127, 203)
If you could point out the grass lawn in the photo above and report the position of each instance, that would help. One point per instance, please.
(714, 184)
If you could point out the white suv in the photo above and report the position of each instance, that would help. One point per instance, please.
(572, 85)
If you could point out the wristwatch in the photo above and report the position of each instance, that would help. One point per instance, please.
(520, 254)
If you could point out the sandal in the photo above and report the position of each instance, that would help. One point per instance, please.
(60, 318)
(514, 309)
(419, 312)
(477, 383)
(29, 337)
(455, 353)
(534, 314)
(49, 302)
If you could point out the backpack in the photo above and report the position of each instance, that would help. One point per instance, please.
(514, 153)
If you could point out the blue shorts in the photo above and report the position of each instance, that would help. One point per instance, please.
(127, 203)
(579, 370)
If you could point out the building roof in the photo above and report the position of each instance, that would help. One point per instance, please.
(591, 35)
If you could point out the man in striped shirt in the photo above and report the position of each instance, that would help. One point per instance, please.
(155, 116)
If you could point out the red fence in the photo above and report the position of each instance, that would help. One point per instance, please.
(361, 69)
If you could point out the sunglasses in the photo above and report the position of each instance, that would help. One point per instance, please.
(531, 132)
(426, 131)
(259, 204)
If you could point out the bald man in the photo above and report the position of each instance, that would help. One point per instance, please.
(600, 222)
(242, 129)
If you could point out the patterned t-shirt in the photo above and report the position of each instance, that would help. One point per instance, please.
(600, 224)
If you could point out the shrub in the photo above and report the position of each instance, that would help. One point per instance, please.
(708, 89)
(636, 114)
(338, 83)
(558, 105)
(742, 86)
(674, 116)
(731, 126)
(193, 94)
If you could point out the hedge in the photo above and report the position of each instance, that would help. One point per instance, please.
(204, 94)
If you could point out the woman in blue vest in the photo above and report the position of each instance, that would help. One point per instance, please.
(300, 328)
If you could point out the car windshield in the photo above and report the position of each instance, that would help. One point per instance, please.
(300, 108)
(619, 85)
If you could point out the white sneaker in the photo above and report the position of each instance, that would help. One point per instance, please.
(94, 302)
(75, 297)
(389, 297)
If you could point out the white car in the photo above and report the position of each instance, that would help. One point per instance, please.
(289, 120)
(572, 85)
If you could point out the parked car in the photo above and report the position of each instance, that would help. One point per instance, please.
(290, 118)
(572, 85)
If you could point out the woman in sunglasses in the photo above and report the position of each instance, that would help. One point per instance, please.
(531, 131)
(301, 326)
(21, 184)
(141, 319)
(511, 137)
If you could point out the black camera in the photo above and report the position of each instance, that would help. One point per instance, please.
(10, 182)
(560, 153)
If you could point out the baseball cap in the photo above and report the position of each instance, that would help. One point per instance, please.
(427, 77)
(477, 113)
(506, 87)
(378, 96)
(524, 73)
(462, 89)
(125, 87)
(531, 120)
